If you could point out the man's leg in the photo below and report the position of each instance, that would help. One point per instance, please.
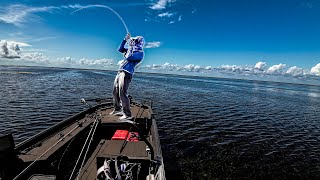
(124, 81)
(115, 92)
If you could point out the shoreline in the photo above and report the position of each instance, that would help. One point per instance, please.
(167, 74)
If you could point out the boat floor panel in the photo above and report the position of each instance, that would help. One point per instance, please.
(133, 150)
(111, 149)
(136, 112)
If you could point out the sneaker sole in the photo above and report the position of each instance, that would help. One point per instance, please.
(128, 118)
(117, 114)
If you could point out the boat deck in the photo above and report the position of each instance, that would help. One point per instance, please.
(107, 118)
(106, 148)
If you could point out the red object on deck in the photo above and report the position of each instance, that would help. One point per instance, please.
(123, 134)
(133, 136)
(120, 135)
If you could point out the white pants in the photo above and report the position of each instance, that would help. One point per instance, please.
(120, 88)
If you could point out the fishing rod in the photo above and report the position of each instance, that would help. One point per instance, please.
(106, 7)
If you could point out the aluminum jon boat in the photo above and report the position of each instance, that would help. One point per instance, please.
(89, 145)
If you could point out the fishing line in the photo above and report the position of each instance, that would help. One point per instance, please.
(106, 7)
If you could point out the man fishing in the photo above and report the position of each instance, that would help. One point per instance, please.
(133, 55)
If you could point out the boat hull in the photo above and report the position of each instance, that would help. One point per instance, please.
(77, 147)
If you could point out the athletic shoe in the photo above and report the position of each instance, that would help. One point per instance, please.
(117, 113)
(125, 117)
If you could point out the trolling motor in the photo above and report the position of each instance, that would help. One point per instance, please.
(97, 100)
(8, 157)
(83, 101)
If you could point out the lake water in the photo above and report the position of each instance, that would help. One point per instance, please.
(210, 128)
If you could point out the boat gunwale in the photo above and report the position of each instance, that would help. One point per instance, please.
(55, 128)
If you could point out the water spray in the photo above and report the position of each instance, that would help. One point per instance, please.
(106, 7)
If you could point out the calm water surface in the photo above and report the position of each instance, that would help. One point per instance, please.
(209, 128)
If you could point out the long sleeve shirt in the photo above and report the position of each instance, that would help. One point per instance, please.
(131, 58)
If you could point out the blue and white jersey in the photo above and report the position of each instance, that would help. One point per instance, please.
(132, 55)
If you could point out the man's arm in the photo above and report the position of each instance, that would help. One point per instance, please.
(122, 49)
(135, 57)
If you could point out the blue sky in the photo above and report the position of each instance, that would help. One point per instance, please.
(200, 32)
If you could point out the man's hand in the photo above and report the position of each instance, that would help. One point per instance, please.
(128, 36)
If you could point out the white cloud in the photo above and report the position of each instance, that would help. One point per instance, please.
(84, 62)
(233, 68)
(315, 70)
(156, 66)
(66, 60)
(19, 14)
(43, 39)
(197, 67)
(189, 67)
(276, 68)
(35, 57)
(27, 59)
(170, 66)
(101, 62)
(260, 65)
(166, 14)
(176, 67)
(295, 71)
(165, 10)
(11, 48)
(192, 67)
(153, 44)
(174, 21)
(161, 4)
(13, 43)
(165, 66)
